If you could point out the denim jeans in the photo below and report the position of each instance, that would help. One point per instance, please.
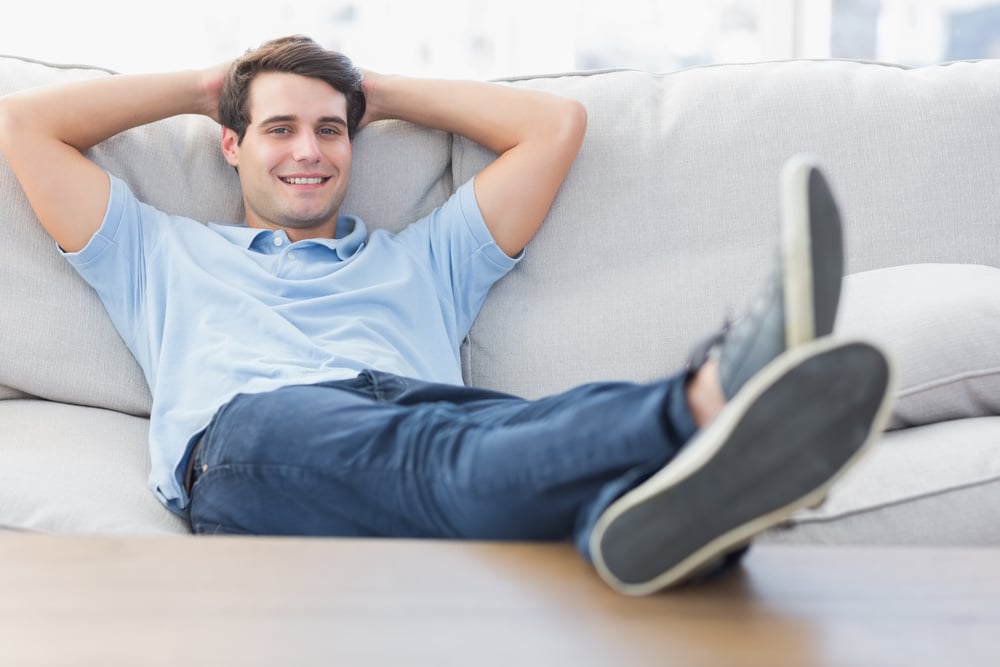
(383, 455)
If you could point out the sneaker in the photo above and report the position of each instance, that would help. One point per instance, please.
(799, 300)
(774, 449)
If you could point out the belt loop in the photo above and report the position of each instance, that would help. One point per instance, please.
(189, 468)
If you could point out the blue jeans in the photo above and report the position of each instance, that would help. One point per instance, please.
(383, 455)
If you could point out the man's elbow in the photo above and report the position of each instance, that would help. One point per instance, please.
(574, 119)
(12, 123)
(560, 137)
(5, 123)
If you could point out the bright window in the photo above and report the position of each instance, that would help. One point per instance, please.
(493, 38)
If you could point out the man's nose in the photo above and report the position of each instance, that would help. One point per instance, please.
(306, 146)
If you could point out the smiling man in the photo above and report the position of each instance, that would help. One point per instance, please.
(295, 161)
(306, 374)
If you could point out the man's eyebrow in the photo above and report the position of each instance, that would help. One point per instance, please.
(287, 118)
(337, 120)
(278, 119)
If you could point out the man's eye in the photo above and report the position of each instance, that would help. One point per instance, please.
(279, 130)
(329, 131)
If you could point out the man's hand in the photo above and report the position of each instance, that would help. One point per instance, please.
(212, 79)
(370, 85)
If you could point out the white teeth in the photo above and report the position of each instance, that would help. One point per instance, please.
(303, 181)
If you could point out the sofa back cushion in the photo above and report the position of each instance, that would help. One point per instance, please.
(57, 342)
(666, 223)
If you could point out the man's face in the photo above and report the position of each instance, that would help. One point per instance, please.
(295, 159)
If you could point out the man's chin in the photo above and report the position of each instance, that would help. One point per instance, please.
(302, 224)
(308, 220)
(300, 228)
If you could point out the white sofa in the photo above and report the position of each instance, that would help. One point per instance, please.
(663, 227)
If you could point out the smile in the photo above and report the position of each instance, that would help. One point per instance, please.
(313, 180)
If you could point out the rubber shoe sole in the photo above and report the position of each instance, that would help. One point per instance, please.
(812, 252)
(799, 302)
(776, 448)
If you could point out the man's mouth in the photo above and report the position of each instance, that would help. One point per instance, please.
(302, 180)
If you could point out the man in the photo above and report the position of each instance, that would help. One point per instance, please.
(305, 374)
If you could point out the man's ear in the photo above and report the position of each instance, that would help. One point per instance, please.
(230, 147)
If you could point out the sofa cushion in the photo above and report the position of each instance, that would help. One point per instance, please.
(941, 323)
(667, 221)
(57, 342)
(929, 485)
(78, 470)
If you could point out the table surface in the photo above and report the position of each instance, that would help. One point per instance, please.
(284, 601)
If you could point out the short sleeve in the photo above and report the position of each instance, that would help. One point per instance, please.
(457, 247)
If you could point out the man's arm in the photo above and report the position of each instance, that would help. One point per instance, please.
(536, 135)
(44, 132)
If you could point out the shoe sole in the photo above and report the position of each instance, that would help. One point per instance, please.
(752, 468)
(811, 251)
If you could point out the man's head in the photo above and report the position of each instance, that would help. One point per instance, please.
(296, 54)
(289, 110)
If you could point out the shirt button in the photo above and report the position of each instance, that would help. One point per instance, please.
(278, 240)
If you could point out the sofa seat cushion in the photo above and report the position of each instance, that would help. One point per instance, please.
(77, 470)
(937, 484)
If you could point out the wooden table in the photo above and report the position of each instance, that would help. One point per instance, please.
(288, 602)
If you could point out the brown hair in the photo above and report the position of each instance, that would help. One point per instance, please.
(295, 54)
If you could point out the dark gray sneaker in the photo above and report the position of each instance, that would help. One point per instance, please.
(775, 448)
(799, 301)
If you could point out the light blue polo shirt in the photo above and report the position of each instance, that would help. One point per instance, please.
(212, 310)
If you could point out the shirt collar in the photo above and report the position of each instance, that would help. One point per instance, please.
(351, 237)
